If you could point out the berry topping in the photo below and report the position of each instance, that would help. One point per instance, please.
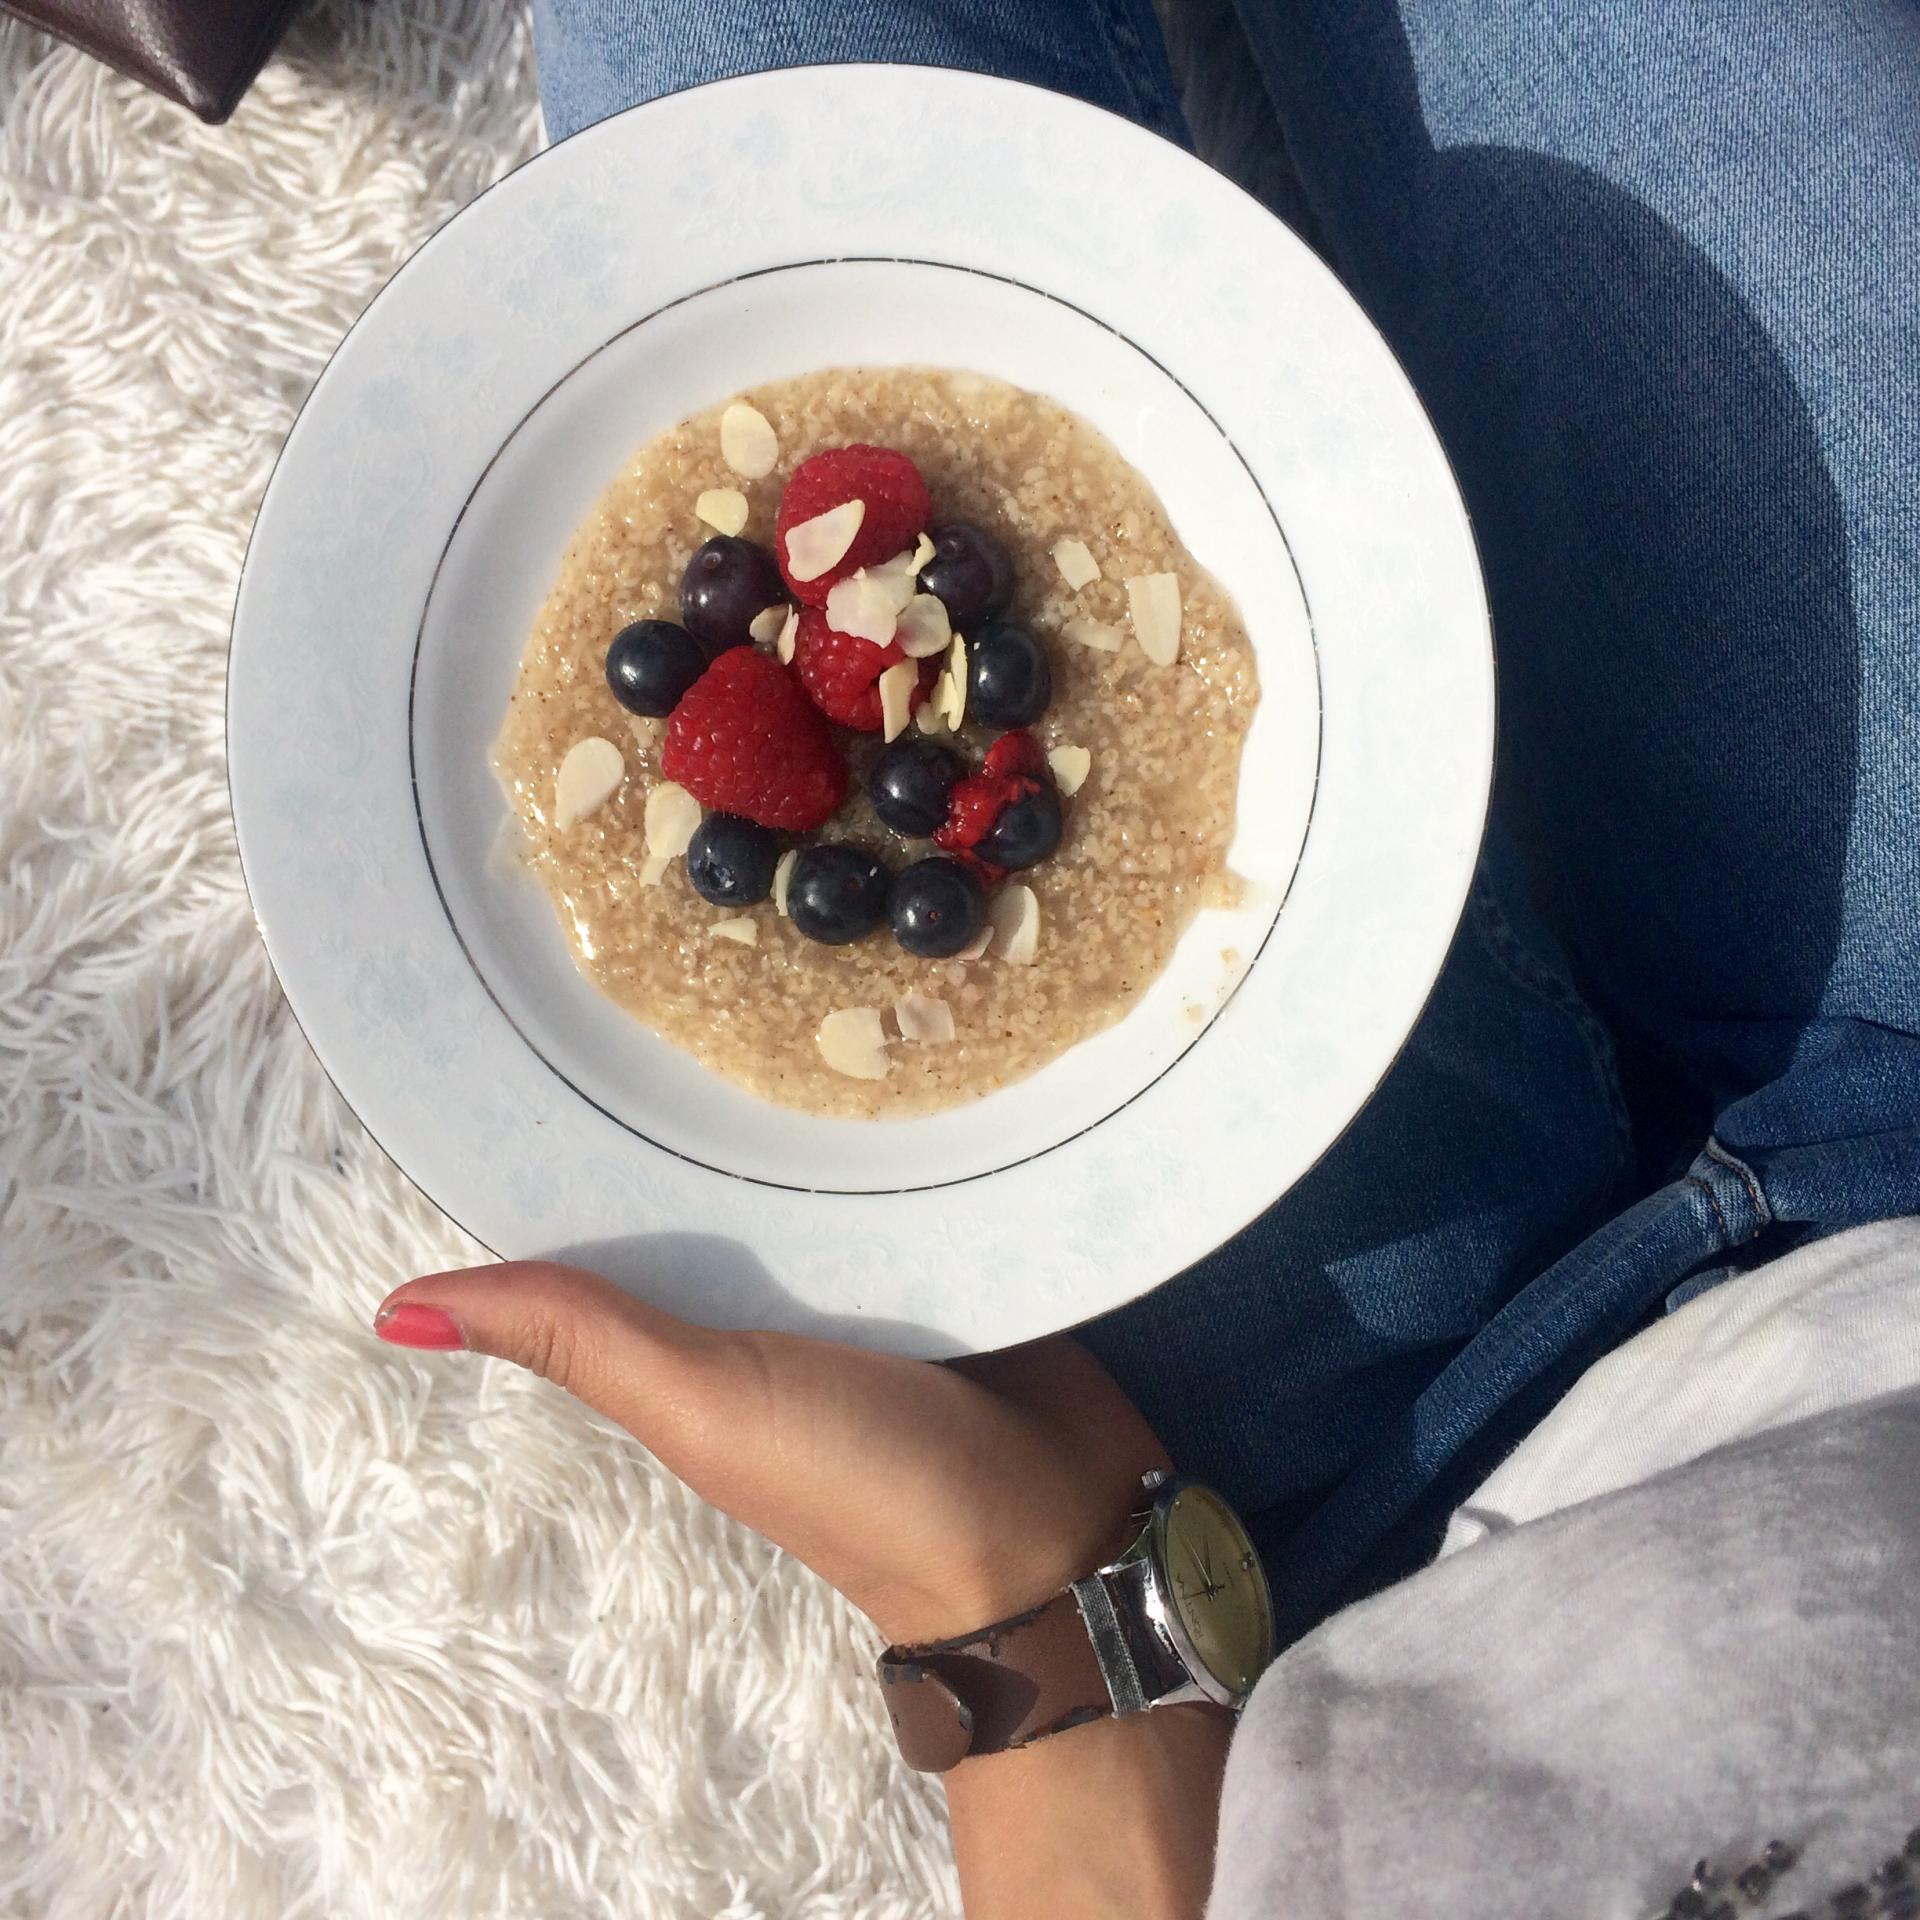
(1026, 831)
(726, 586)
(910, 785)
(936, 907)
(896, 509)
(841, 672)
(836, 893)
(730, 860)
(1009, 679)
(744, 739)
(971, 573)
(1014, 753)
(651, 664)
(1014, 773)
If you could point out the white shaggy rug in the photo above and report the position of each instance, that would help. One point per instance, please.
(292, 1624)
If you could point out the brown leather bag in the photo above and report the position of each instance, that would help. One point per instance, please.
(203, 53)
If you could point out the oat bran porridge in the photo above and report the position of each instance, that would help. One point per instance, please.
(1112, 671)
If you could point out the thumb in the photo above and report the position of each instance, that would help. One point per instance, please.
(671, 1385)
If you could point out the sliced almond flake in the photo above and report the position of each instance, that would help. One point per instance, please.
(672, 815)
(924, 1020)
(1014, 913)
(898, 685)
(816, 545)
(723, 508)
(923, 628)
(741, 928)
(1078, 567)
(863, 605)
(789, 634)
(1154, 601)
(747, 441)
(853, 1041)
(766, 624)
(930, 716)
(653, 869)
(782, 875)
(589, 776)
(1093, 633)
(976, 948)
(922, 553)
(897, 575)
(1070, 765)
(956, 683)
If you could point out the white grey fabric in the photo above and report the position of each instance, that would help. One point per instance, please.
(1830, 1325)
(1562, 1717)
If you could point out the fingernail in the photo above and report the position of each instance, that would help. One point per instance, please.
(409, 1324)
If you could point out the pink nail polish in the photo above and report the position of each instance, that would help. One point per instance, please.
(409, 1324)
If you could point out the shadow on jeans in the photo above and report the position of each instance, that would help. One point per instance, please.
(1667, 558)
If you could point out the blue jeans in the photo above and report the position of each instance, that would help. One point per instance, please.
(1656, 272)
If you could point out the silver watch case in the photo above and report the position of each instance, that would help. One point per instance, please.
(1145, 1654)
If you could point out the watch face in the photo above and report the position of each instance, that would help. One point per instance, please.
(1216, 1588)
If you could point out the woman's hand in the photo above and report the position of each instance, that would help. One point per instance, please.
(936, 1498)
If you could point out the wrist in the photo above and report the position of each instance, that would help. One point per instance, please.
(1118, 1817)
(978, 1585)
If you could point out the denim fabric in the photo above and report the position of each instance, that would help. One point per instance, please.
(597, 56)
(1656, 272)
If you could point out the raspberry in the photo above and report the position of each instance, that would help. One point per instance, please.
(1016, 752)
(841, 672)
(744, 739)
(898, 509)
(1014, 767)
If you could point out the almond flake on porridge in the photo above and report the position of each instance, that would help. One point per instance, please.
(747, 442)
(924, 1020)
(853, 1041)
(1153, 599)
(588, 778)
(1078, 567)
(1100, 636)
(1070, 765)
(724, 509)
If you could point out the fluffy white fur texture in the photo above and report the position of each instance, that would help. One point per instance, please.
(290, 1624)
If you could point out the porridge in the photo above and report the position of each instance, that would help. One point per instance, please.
(854, 598)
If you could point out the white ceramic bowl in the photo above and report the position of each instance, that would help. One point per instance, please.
(652, 266)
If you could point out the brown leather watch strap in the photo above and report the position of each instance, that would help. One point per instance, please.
(1005, 1686)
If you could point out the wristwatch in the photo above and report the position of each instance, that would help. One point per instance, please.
(1182, 1615)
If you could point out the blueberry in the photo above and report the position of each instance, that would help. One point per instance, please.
(651, 664)
(936, 907)
(1009, 679)
(725, 585)
(1027, 831)
(971, 573)
(836, 893)
(730, 861)
(910, 783)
